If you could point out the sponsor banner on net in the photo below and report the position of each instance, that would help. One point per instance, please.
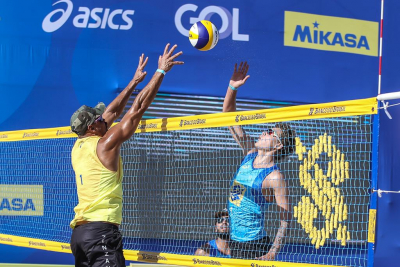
(65, 247)
(252, 117)
(34, 134)
(30, 134)
(191, 260)
(26, 200)
(6, 239)
(19, 135)
(190, 122)
(64, 132)
(301, 112)
(147, 126)
(213, 262)
(152, 257)
(331, 33)
(326, 110)
(35, 243)
(61, 132)
(334, 109)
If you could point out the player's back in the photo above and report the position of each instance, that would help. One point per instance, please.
(99, 189)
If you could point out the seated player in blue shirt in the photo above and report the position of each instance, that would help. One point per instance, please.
(258, 183)
(218, 247)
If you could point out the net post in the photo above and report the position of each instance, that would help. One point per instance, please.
(374, 194)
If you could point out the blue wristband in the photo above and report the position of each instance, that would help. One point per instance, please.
(162, 71)
(233, 88)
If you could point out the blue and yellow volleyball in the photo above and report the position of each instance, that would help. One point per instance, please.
(203, 35)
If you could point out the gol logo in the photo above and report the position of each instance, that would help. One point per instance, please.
(230, 21)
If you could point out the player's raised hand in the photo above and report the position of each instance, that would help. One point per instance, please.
(140, 74)
(239, 76)
(166, 61)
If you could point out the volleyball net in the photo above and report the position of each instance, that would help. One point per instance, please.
(178, 173)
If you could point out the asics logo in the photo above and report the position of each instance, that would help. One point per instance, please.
(48, 25)
(99, 18)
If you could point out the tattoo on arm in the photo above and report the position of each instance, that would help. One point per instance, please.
(279, 236)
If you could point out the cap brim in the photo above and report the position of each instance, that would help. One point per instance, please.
(100, 108)
(220, 214)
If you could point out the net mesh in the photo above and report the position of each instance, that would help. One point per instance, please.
(175, 181)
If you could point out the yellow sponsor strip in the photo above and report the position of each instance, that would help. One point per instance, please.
(331, 33)
(35, 134)
(191, 260)
(301, 112)
(152, 257)
(34, 243)
(371, 226)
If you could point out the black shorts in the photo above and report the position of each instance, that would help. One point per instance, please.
(97, 244)
(250, 249)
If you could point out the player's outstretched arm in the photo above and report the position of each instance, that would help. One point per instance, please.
(239, 77)
(116, 107)
(110, 144)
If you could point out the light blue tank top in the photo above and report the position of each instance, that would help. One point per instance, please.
(214, 251)
(247, 205)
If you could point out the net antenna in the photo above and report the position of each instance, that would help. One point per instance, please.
(388, 96)
(380, 191)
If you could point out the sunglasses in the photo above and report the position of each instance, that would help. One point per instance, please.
(222, 219)
(101, 119)
(272, 132)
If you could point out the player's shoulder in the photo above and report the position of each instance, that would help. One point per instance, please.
(276, 174)
(274, 178)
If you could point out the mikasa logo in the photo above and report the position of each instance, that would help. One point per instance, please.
(230, 22)
(101, 17)
(329, 33)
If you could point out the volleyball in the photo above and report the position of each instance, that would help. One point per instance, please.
(203, 35)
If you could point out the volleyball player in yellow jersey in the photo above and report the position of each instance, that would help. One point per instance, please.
(96, 240)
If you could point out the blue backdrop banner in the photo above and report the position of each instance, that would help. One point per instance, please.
(58, 55)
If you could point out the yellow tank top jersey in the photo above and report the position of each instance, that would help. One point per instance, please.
(99, 189)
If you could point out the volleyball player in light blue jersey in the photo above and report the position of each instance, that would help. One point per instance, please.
(218, 247)
(258, 183)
